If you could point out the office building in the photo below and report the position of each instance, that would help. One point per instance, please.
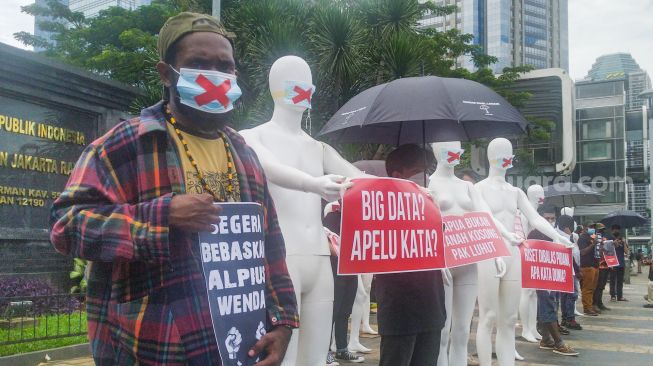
(517, 32)
(92, 8)
(612, 66)
(613, 133)
(47, 36)
(552, 100)
(601, 147)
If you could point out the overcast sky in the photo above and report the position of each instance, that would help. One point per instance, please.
(596, 27)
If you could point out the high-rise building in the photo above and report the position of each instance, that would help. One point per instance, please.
(92, 8)
(612, 66)
(614, 134)
(47, 36)
(517, 32)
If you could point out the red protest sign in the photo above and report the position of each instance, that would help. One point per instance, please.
(546, 266)
(471, 238)
(611, 260)
(389, 225)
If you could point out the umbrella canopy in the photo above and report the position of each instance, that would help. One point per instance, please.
(570, 194)
(625, 218)
(424, 109)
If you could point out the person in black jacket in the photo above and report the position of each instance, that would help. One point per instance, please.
(547, 315)
(345, 288)
(411, 310)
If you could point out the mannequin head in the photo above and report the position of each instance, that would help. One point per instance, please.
(447, 154)
(499, 154)
(569, 211)
(535, 195)
(291, 84)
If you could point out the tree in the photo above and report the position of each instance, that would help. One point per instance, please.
(351, 45)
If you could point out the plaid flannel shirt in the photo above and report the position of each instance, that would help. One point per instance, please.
(146, 300)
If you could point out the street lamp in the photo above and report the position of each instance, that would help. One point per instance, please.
(215, 10)
(648, 94)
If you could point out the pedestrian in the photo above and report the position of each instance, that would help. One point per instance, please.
(547, 315)
(344, 288)
(139, 195)
(617, 273)
(565, 224)
(588, 268)
(649, 296)
(639, 258)
(411, 311)
(604, 270)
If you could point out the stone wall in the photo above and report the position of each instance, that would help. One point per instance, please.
(59, 95)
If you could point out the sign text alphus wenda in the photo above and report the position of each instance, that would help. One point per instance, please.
(389, 225)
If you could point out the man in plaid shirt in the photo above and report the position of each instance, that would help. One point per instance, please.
(127, 210)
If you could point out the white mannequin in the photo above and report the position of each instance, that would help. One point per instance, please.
(360, 315)
(498, 298)
(295, 165)
(528, 301)
(455, 196)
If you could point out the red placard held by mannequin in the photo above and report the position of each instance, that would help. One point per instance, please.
(611, 260)
(546, 266)
(471, 238)
(389, 225)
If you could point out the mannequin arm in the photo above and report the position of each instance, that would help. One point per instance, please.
(327, 186)
(481, 205)
(336, 164)
(538, 222)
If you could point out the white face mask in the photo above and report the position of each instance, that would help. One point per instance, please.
(450, 156)
(504, 163)
(207, 90)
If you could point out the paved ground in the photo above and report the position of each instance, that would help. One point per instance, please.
(620, 337)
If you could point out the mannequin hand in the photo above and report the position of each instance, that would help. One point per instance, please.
(515, 239)
(564, 241)
(447, 279)
(328, 186)
(500, 265)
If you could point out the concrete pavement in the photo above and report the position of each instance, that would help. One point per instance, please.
(620, 337)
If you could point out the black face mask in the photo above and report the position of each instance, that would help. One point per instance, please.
(616, 234)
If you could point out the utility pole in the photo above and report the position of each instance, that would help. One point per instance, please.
(216, 9)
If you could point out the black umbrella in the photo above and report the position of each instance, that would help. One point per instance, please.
(625, 218)
(424, 109)
(570, 194)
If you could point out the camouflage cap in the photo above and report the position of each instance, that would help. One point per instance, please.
(184, 23)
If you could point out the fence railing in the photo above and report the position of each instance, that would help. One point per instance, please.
(37, 318)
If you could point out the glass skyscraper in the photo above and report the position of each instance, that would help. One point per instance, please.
(91, 8)
(614, 135)
(517, 32)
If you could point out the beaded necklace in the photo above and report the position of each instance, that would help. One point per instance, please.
(231, 173)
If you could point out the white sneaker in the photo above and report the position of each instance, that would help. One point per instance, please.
(358, 348)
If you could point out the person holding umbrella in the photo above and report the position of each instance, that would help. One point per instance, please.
(617, 273)
(411, 311)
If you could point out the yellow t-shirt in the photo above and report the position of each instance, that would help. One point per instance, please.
(211, 158)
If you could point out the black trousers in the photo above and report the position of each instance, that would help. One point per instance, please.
(420, 349)
(604, 275)
(617, 282)
(344, 294)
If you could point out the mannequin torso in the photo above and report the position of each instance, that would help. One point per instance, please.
(295, 165)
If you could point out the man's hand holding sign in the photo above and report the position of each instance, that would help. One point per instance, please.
(233, 253)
